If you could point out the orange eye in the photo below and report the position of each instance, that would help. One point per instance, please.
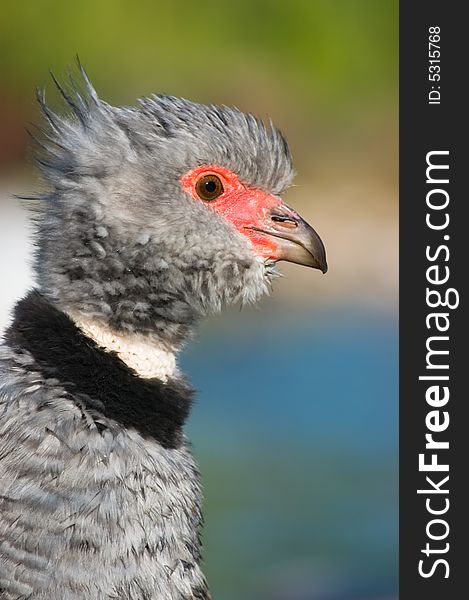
(209, 187)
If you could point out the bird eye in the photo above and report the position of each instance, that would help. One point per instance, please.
(209, 187)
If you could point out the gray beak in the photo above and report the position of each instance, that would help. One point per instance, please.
(297, 241)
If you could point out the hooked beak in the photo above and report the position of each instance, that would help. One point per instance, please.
(296, 241)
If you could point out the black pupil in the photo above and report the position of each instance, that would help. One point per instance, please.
(210, 186)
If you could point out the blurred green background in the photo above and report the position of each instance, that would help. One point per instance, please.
(296, 422)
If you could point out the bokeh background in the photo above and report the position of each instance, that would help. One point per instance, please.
(295, 427)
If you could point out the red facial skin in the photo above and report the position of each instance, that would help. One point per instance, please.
(242, 206)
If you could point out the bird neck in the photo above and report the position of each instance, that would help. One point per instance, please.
(106, 391)
(148, 357)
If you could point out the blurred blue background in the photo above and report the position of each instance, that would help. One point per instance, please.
(295, 429)
(295, 425)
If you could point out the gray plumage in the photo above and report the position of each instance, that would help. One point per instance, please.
(90, 506)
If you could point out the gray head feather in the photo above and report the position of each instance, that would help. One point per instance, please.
(118, 238)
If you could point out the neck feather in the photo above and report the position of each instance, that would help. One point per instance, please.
(97, 381)
(147, 357)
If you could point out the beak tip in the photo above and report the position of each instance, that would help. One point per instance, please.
(320, 259)
(321, 265)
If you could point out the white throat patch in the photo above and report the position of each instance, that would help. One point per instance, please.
(147, 359)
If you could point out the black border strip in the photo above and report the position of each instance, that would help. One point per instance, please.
(425, 128)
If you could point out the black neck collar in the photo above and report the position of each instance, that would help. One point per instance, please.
(100, 379)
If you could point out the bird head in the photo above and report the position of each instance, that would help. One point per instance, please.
(164, 212)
